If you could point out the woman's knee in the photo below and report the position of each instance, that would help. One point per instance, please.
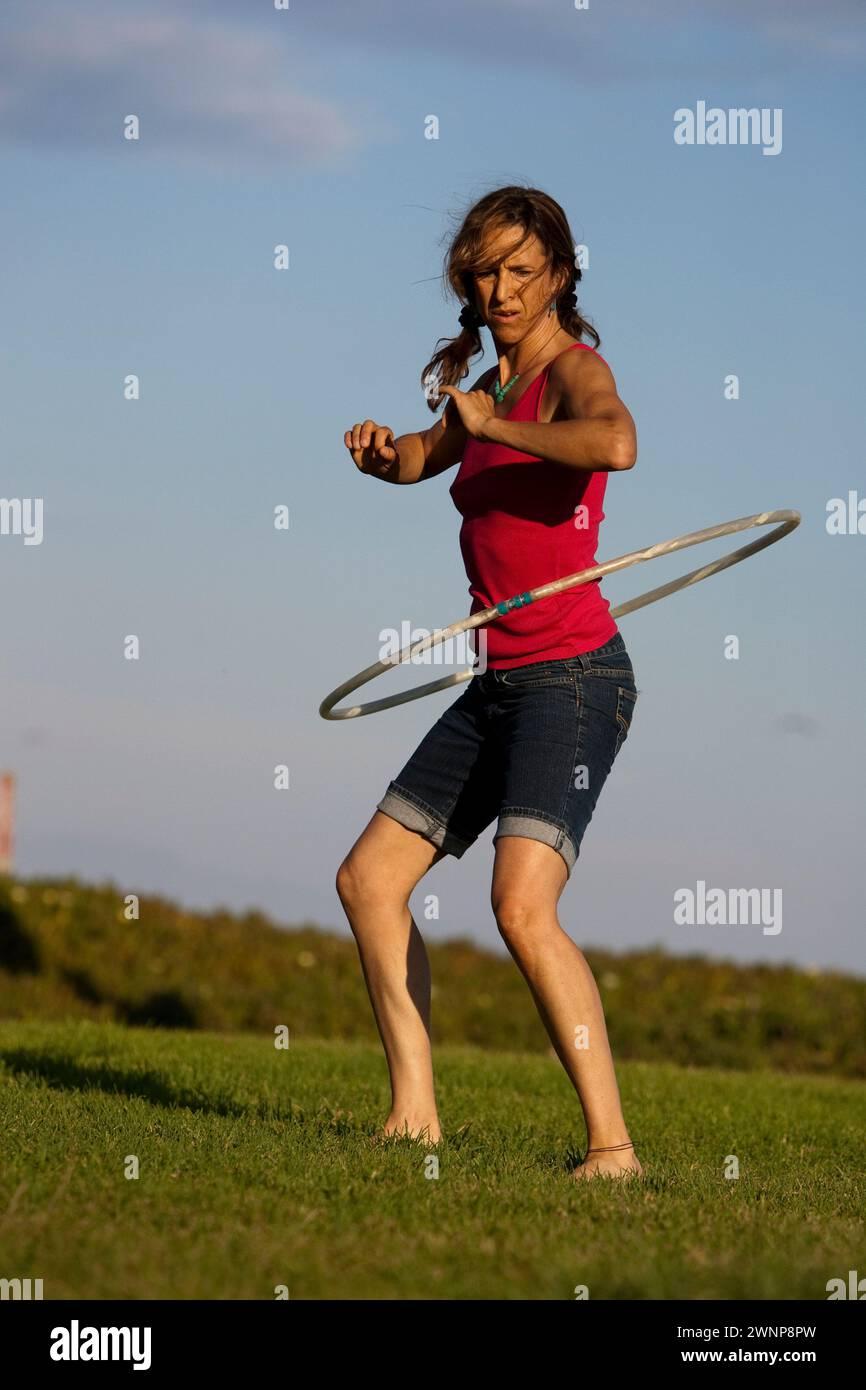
(515, 914)
(385, 864)
(363, 879)
(524, 913)
(357, 880)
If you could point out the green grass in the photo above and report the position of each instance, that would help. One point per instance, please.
(255, 1172)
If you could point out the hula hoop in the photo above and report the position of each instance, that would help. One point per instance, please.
(787, 521)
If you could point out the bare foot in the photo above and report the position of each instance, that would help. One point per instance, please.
(609, 1165)
(427, 1132)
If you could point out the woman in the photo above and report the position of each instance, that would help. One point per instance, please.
(532, 739)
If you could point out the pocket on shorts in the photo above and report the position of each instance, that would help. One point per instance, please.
(611, 664)
(626, 699)
(540, 673)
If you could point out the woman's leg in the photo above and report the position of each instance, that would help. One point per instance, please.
(374, 883)
(528, 879)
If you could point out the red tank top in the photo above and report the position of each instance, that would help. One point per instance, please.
(526, 522)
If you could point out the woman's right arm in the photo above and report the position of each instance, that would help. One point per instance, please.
(410, 458)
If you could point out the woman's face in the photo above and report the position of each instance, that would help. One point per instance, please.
(513, 287)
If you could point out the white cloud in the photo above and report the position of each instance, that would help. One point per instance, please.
(206, 91)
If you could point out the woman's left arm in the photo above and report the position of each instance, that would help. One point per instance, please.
(598, 433)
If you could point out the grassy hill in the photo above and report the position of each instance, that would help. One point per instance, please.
(67, 950)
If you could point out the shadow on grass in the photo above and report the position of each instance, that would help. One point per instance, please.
(64, 1075)
(164, 1009)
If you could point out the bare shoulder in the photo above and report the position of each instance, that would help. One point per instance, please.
(581, 366)
(581, 385)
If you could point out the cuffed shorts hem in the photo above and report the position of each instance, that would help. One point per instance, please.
(415, 816)
(531, 826)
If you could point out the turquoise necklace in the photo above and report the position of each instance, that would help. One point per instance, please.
(500, 392)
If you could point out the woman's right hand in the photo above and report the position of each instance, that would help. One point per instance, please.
(372, 449)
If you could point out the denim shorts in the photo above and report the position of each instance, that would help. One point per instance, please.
(530, 746)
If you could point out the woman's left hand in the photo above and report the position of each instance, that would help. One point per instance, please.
(475, 408)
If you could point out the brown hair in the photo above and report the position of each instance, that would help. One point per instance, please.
(538, 214)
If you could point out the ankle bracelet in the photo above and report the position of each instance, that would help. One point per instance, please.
(607, 1148)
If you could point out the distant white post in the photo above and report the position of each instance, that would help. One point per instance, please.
(7, 820)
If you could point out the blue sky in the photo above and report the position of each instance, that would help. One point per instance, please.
(306, 127)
